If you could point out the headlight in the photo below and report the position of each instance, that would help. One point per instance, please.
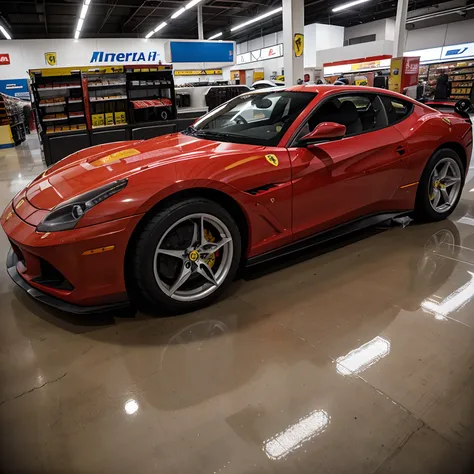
(67, 215)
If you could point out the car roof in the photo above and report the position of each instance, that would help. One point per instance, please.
(326, 88)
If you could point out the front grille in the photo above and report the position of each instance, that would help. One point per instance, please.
(52, 277)
(18, 252)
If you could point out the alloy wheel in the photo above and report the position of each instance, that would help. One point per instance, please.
(445, 185)
(193, 257)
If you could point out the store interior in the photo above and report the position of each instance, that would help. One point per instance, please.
(355, 356)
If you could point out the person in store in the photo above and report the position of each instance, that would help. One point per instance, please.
(443, 87)
(342, 80)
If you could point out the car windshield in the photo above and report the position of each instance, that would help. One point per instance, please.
(254, 119)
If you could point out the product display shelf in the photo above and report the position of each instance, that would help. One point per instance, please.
(13, 119)
(107, 95)
(60, 102)
(151, 93)
(461, 76)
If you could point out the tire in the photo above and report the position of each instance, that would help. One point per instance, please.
(428, 189)
(171, 249)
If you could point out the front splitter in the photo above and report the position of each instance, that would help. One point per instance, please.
(49, 300)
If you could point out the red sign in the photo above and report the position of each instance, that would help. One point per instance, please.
(4, 59)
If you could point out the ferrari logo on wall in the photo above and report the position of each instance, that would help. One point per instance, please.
(298, 44)
(51, 58)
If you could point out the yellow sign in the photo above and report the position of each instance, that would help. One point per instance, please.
(51, 58)
(298, 44)
(362, 82)
(106, 160)
(258, 75)
(272, 159)
(366, 65)
(395, 79)
(198, 72)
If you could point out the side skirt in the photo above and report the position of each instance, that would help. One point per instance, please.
(325, 236)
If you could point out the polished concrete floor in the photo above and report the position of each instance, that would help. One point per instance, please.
(358, 358)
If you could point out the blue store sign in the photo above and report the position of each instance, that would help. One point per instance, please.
(202, 51)
(15, 88)
(133, 57)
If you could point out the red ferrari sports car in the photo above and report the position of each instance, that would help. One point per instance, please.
(171, 219)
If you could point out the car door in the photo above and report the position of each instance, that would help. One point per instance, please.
(341, 180)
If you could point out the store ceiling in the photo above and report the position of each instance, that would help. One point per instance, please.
(134, 18)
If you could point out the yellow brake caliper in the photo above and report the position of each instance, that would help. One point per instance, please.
(211, 260)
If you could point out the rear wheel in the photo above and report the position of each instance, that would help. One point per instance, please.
(187, 255)
(440, 186)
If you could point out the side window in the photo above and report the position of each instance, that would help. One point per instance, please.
(359, 113)
(396, 109)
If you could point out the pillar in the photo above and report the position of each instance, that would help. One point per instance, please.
(293, 24)
(199, 18)
(400, 29)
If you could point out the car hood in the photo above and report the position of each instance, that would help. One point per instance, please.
(99, 165)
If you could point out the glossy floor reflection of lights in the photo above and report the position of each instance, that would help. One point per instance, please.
(354, 358)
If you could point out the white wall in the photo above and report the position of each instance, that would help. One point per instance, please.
(390, 29)
(440, 35)
(355, 51)
(316, 37)
(29, 54)
(375, 27)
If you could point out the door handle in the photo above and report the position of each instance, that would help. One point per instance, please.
(400, 150)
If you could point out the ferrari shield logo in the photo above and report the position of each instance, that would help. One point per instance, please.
(50, 58)
(445, 119)
(272, 159)
(298, 44)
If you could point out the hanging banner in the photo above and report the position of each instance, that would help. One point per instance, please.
(198, 72)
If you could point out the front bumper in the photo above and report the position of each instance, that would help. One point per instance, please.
(49, 300)
(91, 280)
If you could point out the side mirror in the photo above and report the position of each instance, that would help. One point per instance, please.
(324, 131)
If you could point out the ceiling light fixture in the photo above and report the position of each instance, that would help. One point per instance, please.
(5, 33)
(160, 27)
(177, 13)
(191, 4)
(348, 5)
(215, 36)
(258, 18)
(82, 16)
(450, 11)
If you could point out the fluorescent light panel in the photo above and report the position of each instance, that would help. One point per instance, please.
(215, 36)
(259, 18)
(5, 33)
(177, 13)
(191, 4)
(82, 16)
(160, 27)
(348, 5)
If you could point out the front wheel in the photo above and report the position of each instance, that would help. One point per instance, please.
(440, 186)
(187, 255)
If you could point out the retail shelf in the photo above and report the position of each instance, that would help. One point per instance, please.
(52, 104)
(55, 119)
(15, 124)
(151, 86)
(104, 99)
(98, 86)
(95, 127)
(75, 116)
(74, 101)
(57, 88)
